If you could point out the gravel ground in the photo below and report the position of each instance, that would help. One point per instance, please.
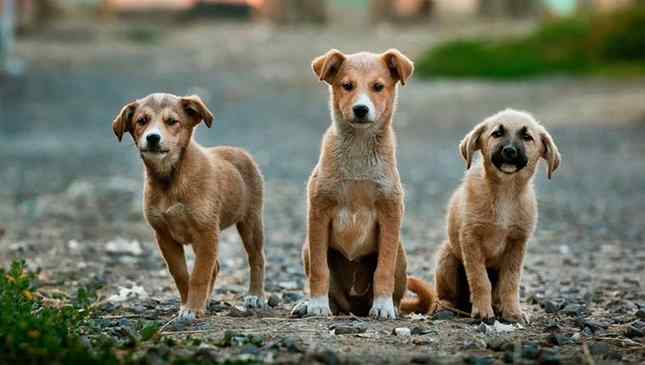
(70, 195)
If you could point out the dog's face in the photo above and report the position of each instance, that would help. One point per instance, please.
(161, 125)
(363, 85)
(512, 142)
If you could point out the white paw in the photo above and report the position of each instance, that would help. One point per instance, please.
(255, 302)
(383, 308)
(186, 315)
(318, 306)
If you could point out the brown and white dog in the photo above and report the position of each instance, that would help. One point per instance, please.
(492, 215)
(353, 255)
(192, 193)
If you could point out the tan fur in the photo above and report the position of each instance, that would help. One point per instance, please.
(353, 254)
(491, 216)
(192, 193)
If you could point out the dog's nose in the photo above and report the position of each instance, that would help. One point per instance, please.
(153, 139)
(360, 111)
(509, 152)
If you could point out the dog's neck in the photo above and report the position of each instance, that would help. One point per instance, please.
(500, 184)
(362, 154)
(165, 173)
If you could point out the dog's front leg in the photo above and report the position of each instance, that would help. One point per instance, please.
(206, 251)
(508, 284)
(173, 253)
(318, 236)
(389, 222)
(476, 275)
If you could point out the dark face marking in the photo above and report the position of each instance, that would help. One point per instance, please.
(510, 148)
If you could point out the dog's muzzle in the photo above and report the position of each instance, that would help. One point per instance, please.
(509, 158)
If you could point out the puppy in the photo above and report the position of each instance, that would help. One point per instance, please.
(192, 193)
(492, 215)
(353, 255)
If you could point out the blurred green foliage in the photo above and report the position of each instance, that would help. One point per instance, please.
(611, 44)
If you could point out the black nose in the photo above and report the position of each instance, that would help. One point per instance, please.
(360, 111)
(153, 139)
(509, 152)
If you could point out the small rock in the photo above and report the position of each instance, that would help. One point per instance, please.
(420, 331)
(274, 300)
(599, 348)
(239, 313)
(478, 360)
(632, 332)
(299, 310)
(475, 344)
(558, 340)
(550, 357)
(572, 309)
(443, 315)
(550, 307)
(499, 344)
(640, 314)
(402, 332)
(530, 350)
(348, 329)
(292, 345)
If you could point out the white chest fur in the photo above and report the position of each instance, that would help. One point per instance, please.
(354, 231)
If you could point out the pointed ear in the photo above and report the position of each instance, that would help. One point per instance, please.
(326, 66)
(470, 143)
(197, 110)
(401, 67)
(550, 153)
(123, 121)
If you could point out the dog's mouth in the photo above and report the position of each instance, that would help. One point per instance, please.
(509, 166)
(361, 122)
(154, 151)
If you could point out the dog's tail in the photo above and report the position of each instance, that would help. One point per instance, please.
(426, 300)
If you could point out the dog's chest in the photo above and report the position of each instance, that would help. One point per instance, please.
(173, 218)
(354, 221)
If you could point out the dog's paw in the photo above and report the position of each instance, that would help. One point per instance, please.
(485, 313)
(255, 302)
(186, 316)
(515, 316)
(383, 308)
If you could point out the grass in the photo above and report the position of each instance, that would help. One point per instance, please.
(611, 44)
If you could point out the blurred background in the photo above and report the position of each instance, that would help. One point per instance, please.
(70, 195)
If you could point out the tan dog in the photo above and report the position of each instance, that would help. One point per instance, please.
(492, 215)
(353, 255)
(192, 192)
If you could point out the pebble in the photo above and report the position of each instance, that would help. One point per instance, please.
(443, 315)
(475, 344)
(550, 307)
(274, 300)
(558, 340)
(572, 309)
(550, 357)
(479, 360)
(599, 348)
(402, 332)
(632, 332)
(499, 344)
(530, 350)
(640, 314)
(420, 331)
(348, 329)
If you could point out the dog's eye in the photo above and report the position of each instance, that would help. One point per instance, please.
(142, 121)
(378, 87)
(498, 133)
(171, 121)
(348, 86)
(527, 137)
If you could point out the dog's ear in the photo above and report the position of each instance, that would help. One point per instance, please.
(401, 67)
(550, 153)
(326, 66)
(123, 121)
(197, 110)
(470, 143)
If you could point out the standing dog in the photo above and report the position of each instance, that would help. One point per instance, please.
(492, 215)
(353, 255)
(192, 192)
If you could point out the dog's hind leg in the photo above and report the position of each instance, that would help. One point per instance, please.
(252, 233)
(450, 283)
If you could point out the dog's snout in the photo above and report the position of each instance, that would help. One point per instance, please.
(153, 139)
(509, 152)
(361, 111)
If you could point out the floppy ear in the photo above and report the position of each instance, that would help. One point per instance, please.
(197, 110)
(326, 66)
(401, 67)
(470, 143)
(550, 154)
(123, 121)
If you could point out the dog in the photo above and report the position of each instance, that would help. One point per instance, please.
(192, 193)
(353, 256)
(491, 216)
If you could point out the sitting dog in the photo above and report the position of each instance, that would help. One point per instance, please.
(192, 193)
(353, 255)
(492, 215)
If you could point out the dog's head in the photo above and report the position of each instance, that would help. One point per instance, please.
(363, 86)
(161, 125)
(511, 142)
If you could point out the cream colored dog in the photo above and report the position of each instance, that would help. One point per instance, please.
(492, 215)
